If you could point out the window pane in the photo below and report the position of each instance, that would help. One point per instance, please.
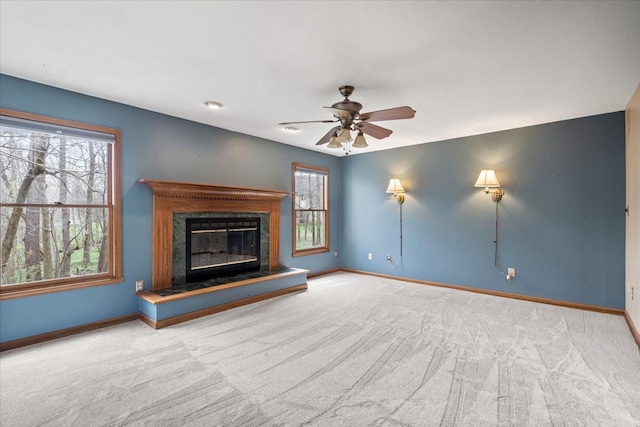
(309, 190)
(55, 242)
(60, 220)
(310, 229)
(48, 168)
(310, 210)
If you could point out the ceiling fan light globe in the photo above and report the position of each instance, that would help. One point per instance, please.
(334, 143)
(344, 135)
(360, 142)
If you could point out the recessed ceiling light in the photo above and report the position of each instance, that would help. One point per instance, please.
(291, 129)
(214, 105)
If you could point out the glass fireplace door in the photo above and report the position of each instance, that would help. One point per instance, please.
(221, 246)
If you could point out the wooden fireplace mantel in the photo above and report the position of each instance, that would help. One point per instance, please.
(171, 197)
(208, 191)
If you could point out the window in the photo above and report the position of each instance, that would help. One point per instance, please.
(60, 220)
(310, 209)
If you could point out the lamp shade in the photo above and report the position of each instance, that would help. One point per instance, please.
(334, 143)
(344, 135)
(395, 186)
(487, 179)
(360, 142)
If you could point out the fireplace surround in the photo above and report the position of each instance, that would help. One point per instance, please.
(175, 202)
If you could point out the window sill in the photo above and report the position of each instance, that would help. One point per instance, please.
(22, 291)
(310, 252)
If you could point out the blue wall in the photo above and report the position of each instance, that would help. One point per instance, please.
(156, 146)
(561, 221)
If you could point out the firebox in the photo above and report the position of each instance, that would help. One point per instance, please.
(221, 246)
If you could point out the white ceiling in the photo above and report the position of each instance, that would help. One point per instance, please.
(466, 67)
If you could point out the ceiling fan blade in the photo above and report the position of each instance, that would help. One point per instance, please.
(328, 136)
(374, 130)
(389, 114)
(338, 112)
(308, 121)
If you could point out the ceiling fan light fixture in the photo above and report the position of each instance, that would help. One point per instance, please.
(360, 142)
(347, 114)
(334, 143)
(345, 135)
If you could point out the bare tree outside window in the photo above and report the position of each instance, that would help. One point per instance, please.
(56, 203)
(310, 209)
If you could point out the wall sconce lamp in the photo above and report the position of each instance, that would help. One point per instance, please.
(488, 179)
(396, 189)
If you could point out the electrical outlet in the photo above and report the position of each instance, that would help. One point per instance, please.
(335, 253)
(370, 256)
(511, 272)
(389, 258)
(139, 285)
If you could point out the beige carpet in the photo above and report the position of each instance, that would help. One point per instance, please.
(353, 350)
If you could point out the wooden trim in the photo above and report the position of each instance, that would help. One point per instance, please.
(149, 321)
(223, 307)
(56, 121)
(115, 219)
(313, 251)
(560, 303)
(322, 273)
(40, 288)
(114, 275)
(188, 190)
(632, 328)
(154, 298)
(22, 342)
(170, 197)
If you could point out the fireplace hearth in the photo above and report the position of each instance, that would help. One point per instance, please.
(172, 299)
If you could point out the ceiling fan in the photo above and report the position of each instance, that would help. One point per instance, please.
(347, 113)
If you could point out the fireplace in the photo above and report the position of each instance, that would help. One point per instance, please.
(218, 247)
(174, 202)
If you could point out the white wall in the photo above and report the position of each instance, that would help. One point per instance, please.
(633, 203)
